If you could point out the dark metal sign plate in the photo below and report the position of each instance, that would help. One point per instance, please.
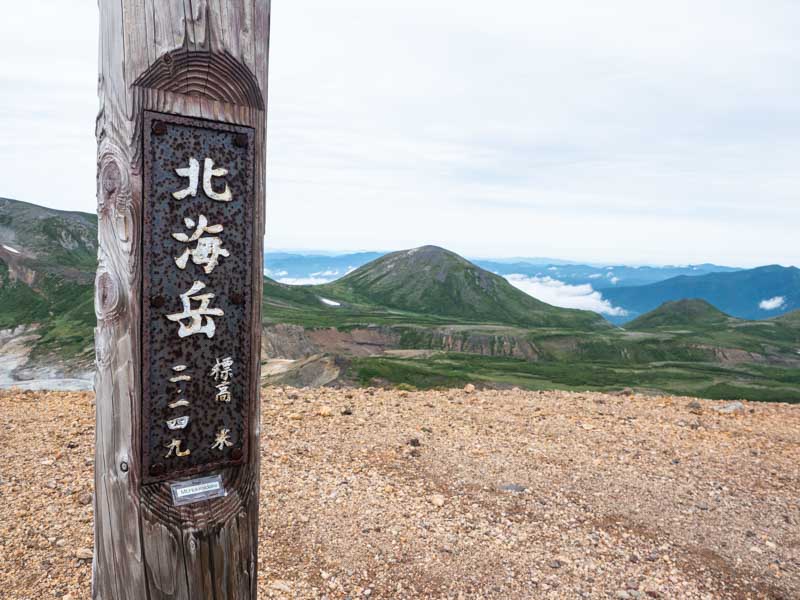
(197, 258)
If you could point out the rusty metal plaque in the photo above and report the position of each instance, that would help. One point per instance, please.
(197, 260)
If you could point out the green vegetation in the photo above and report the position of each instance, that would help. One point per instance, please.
(63, 309)
(303, 305)
(697, 322)
(21, 305)
(686, 347)
(70, 330)
(681, 378)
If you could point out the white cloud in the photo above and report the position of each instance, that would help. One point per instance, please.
(304, 280)
(328, 273)
(772, 303)
(562, 294)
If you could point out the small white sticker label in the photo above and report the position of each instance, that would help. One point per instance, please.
(197, 490)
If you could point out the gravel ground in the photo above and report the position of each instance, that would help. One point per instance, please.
(456, 494)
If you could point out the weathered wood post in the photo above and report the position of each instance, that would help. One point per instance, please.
(180, 201)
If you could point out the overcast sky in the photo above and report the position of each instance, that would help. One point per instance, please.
(621, 131)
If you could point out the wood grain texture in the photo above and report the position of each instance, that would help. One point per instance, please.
(198, 58)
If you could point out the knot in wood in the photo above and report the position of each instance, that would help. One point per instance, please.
(107, 298)
(113, 192)
(111, 178)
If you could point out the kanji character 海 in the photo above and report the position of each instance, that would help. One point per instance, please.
(208, 248)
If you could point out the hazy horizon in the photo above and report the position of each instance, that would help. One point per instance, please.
(302, 251)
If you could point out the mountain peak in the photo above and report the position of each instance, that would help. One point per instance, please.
(429, 250)
(427, 255)
(435, 281)
(679, 313)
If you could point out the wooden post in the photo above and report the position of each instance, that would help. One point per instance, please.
(179, 81)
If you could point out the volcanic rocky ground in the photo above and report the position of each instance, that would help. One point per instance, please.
(456, 494)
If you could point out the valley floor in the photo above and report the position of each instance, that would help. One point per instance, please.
(456, 494)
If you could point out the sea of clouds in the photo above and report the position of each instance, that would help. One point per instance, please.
(562, 294)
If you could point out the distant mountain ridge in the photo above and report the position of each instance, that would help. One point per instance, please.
(601, 277)
(754, 294)
(321, 268)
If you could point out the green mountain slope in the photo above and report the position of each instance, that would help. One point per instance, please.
(791, 319)
(315, 306)
(48, 241)
(698, 322)
(47, 264)
(433, 281)
(781, 332)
